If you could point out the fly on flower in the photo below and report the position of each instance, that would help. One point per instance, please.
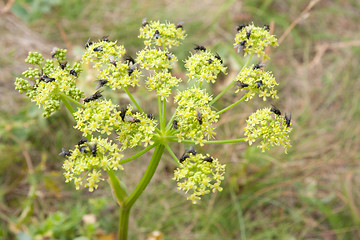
(95, 96)
(288, 119)
(88, 43)
(275, 110)
(199, 117)
(199, 48)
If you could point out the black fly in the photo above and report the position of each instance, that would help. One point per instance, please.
(82, 149)
(64, 153)
(218, 58)
(150, 116)
(248, 33)
(242, 85)
(122, 113)
(175, 124)
(101, 83)
(95, 96)
(129, 60)
(199, 117)
(275, 110)
(144, 22)
(288, 119)
(88, 43)
(168, 55)
(53, 52)
(199, 48)
(97, 49)
(210, 61)
(73, 72)
(267, 27)
(157, 34)
(105, 39)
(240, 27)
(179, 25)
(93, 149)
(208, 159)
(63, 65)
(259, 66)
(259, 84)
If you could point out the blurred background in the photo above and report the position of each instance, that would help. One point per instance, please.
(310, 193)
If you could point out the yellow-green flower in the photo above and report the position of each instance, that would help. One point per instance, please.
(256, 81)
(269, 127)
(204, 66)
(199, 175)
(86, 164)
(253, 40)
(161, 34)
(194, 115)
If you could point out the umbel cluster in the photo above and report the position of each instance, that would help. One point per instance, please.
(109, 129)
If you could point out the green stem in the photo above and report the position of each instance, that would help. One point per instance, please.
(160, 111)
(231, 84)
(71, 99)
(124, 223)
(168, 126)
(131, 199)
(68, 106)
(145, 150)
(171, 153)
(133, 100)
(147, 176)
(173, 139)
(231, 106)
(164, 116)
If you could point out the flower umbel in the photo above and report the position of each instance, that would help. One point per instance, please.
(270, 127)
(161, 34)
(84, 161)
(194, 115)
(199, 175)
(50, 79)
(203, 65)
(257, 81)
(253, 40)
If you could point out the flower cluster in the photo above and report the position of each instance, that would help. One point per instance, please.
(257, 81)
(155, 59)
(106, 57)
(162, 82)
(204, 66)
(49, 80)
(271, 128)
(253, 40)
(161, 34)
(91, 157)
(199, 175)
(97, 116)
(194, 115)
(135, 128)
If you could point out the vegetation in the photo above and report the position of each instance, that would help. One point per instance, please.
(308, 193)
